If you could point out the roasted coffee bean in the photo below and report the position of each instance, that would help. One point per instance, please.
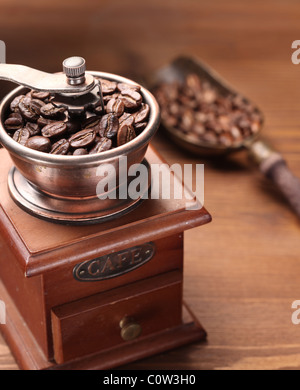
(142, 114)
(101, 146)
(73, 126)
(170, 120)
(108, 126)
(107, 98)
(187, 120)
(21, 136)
(16, 115)
(193, 82)
(107, 86)
(90, 122)
(255, 126)
(122, 86)
(51, 111)
(125, 134)
(44, 121)
(131, 98)
(13, 122)
(97, 138)
(36, 105)
(29, 112)
(40, 95)
(55, 129)
(115, 106)
(82, 138)
(39, 143)
(34, 128)
(210, 137)
(14, 105)
(236, 133)
(138, 127)
(126, 118)
(175, 108)
(244, 124)
(80, 152)
(198, 129)
(209, 96)
(60, 147)
(225, 139)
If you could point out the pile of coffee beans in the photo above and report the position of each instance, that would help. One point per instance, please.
(35, 122)
(204, 115)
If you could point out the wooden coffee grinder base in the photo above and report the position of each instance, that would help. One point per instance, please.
(95, 296)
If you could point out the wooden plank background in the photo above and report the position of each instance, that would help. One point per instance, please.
(242, 271)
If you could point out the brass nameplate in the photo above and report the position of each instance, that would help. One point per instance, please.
(114, 264)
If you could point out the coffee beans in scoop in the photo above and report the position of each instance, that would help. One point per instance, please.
(204, 115)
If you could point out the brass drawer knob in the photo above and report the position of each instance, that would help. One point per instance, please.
(130, 329)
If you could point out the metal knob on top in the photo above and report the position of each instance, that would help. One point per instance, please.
(74, 68)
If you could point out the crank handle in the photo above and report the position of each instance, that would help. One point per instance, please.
(274, 167)
(72, 81)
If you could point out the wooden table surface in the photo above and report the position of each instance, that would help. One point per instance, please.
(242, 271)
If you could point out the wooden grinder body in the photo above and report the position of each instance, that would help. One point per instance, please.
(96, 296)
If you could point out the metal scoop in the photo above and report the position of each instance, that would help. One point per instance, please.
(270, 162)
(73, 89)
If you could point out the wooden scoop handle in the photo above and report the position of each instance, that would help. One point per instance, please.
(274, 167)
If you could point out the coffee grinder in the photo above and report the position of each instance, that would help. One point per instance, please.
(88, 283)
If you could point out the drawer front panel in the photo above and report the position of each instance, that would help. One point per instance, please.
(92, 324)
(62, 287)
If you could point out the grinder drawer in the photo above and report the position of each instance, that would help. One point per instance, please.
(117, 316)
